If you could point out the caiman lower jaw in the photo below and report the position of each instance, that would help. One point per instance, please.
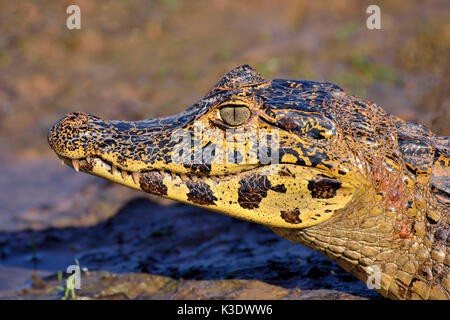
(277, 195)
(97, 166)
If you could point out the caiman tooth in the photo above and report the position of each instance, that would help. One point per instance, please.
(183, 177)
(62, 161)
(113, 169)
(88, 159)
(76, 164)
(124, 174)
(136, 176)
(161, 172)
(173, 174)
(194, 178)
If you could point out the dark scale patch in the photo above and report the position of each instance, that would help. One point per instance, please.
(288, 123)
(417, 154)
(442, 234)
(253, 189)
(85, 166)
(200, 193)
(279, 188)
(323, 188)
(109, 143)
(152, 182)
(432, 219)
(285, 172)
(291, 216)
(291, 151)
(317, 157)
(312, 125)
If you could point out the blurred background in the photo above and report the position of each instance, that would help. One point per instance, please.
(138, 59)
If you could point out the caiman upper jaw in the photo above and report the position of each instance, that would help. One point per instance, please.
(126, 145)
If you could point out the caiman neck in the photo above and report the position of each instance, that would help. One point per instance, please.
(399, 228)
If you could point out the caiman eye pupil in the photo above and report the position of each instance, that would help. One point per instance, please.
(234, 114)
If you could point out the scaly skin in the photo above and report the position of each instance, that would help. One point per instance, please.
(315, 165)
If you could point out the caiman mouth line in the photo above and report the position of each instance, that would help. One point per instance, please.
(88, 164)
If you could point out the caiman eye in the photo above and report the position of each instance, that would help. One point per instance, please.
(234, 114)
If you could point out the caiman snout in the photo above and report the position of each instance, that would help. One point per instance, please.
(75, 119)
(128, 145)
(69, 136)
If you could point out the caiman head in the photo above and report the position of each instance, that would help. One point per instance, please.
(314, 164)
(283, 153)
(264, 151)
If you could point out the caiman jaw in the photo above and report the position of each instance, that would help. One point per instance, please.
(219, 193)
(97, 166)
(284, 195)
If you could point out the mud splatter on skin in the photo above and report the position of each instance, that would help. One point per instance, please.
(152, 182)
(254, 188)
(200, 193)
(291, 216)
(323, 188)
(85, 166)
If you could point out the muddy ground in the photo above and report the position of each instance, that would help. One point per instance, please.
(138, 59)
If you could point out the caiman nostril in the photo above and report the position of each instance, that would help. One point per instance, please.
(75, 120)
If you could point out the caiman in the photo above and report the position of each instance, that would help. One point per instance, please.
(314, 164)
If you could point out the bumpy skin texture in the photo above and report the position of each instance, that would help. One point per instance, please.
(363, 187)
